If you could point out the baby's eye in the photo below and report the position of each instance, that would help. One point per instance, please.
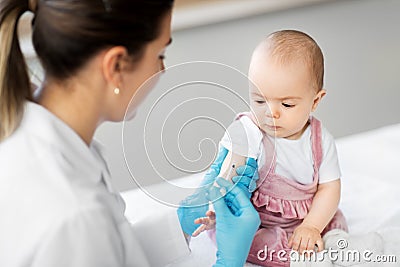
(260, 101)
(287, 105)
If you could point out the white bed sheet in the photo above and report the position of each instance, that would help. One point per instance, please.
(370, 164)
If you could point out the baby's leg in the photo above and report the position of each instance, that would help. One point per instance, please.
(343, 249)
(269, 248)
(319, 259)
(353, 250)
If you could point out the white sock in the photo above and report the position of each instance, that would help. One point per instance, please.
(353, 250)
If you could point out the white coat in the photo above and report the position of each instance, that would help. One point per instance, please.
(58, 208)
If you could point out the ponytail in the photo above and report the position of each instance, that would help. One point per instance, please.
(63, 48)
(14, 80)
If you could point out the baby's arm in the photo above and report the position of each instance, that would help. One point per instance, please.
(242, 138)
(323, 208)
(231, 162)
(228, 170)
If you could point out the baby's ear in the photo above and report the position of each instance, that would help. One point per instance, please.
(318, 98)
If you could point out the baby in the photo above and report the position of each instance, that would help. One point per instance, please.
(298, 190)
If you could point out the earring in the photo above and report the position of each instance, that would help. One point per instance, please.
(116, 91)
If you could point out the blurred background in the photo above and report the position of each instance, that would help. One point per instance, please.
(360, 40)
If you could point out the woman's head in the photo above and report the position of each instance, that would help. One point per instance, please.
(68, 34)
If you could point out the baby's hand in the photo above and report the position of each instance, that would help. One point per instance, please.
(207, 223)
(305, 237)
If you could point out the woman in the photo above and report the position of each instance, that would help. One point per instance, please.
(56, 202)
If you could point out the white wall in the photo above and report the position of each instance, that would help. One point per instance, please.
(361, 43)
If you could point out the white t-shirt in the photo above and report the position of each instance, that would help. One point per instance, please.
(294, 158)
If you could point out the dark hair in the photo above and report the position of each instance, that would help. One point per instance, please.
(66, 33)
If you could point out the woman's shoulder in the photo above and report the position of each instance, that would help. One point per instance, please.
(20, 152)
(36, 168)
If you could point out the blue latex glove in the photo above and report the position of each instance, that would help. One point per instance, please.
(196, 205)
(246, 180)
(234, 232)
(247, 176)
(191, 208)
(215, 167)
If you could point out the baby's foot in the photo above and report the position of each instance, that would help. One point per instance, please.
(352, 250)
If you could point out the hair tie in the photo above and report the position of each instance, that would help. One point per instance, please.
(32, 5)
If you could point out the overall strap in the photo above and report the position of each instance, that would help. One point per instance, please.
(316, 145)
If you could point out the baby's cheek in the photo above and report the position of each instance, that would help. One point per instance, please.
(260, 116)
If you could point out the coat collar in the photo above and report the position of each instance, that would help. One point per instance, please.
(84, 160)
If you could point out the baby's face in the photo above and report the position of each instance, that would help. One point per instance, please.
(284, 99)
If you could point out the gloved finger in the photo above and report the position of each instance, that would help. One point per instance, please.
(249, 168)
(230, 202)
(216, 166)
(228, 185)
(252, 186)
(240, 198)
(244, 180)
(247, 182)
(246, 170)
(194, 202)
(214, 195)
(252, 162)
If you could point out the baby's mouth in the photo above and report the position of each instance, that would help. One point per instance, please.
(273, 127)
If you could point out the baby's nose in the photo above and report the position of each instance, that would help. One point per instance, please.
(272, 112)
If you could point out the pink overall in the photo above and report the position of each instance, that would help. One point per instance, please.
(282, 205)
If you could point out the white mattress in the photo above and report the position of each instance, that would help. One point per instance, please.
(370, 200)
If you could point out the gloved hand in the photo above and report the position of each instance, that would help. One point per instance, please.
(191, 208)
(234, 232)
(215, 168)
(246, 180)
(247, 176)
(196, 205)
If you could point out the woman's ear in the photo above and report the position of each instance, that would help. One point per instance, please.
(318, 98)
(113, 61)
